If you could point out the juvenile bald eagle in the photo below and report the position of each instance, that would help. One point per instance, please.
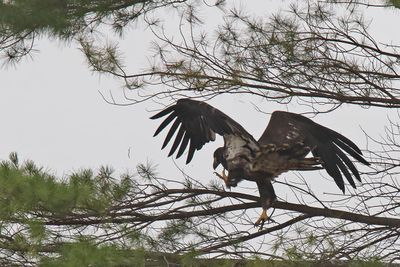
(283, 146)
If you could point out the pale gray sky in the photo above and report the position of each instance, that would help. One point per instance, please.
(53, 113)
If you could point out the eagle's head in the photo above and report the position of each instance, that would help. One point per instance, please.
(235, 175)
(219, 158)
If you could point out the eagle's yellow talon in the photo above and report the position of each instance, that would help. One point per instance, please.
(263, 218)
(223, 176)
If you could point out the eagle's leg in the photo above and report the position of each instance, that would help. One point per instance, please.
(267, 197)
(223, 176)
(266, 203)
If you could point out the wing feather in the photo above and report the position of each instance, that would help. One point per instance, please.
(171, 132)
(349, 164)
(342, 139)
(177, 141)
(192, 148)
(346, 172)
(352, 152)
(330, 165)
(198, 123)
(165, 123)
(162, 113)
(184, 144)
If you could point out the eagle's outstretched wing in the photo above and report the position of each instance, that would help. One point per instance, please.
(198, 123)
(328, 145)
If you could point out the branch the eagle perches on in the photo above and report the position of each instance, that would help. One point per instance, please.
(153, 204)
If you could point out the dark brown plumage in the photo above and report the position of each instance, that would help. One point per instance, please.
(283, 146)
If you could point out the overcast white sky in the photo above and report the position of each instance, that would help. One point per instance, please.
(53, 113)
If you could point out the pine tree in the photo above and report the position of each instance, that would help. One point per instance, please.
(311, 55)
